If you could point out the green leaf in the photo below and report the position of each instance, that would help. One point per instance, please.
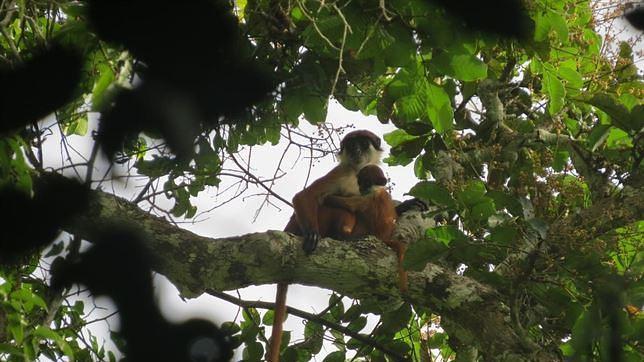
(468, 67)
(422, 252)
(79, 307)
(313, 334)
(439, 108)
(229, 328)
(583, 333)
(10, 350)
(598, 136)
(156, 167)
(504, 234)
(571, 75)
(191, 211)
(400, 86)
(337, 356)
(251, 316)
(547, 21)
(286, 339)
(558, 24)
(292, 354)
(503, 200)
(618, 113)
(460, 64)
(401, 50)
(438, 340)
(543, 24)
(395, 320)
(408, 108)
(314, 109)
(17, 331)
(637, 115)
(473, 193)
(618, 139)
(268, 318)
(406, 151)
(399, 346)
(28, 298)
(572, 125)
(353, 312)
(297, 14)
(397, 137)
(431, 191)
(241, 6)
(99, 96)
(74, 9)
(555, 91)
(560, 160)
(355, 344)
(254, 351)
(384, 107)
(445, 234)
(291, 105)
(357, 324)
(77, 126)
(46, 333)
(483, 210)
(337, 309)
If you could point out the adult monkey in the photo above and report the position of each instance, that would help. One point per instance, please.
(357, 149)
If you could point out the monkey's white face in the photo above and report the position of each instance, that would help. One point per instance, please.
(359, 153)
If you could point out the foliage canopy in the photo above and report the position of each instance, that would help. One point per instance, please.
(530, 150)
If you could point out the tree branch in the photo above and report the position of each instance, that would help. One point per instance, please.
(308, 316)
(363, 269)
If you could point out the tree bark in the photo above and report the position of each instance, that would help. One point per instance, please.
(363, 269)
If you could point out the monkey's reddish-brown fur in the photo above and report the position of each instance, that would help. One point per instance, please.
(333, 223)
(357, 149)
(375, 213)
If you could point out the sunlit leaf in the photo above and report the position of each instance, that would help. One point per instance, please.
(439, 108)
(556, 92)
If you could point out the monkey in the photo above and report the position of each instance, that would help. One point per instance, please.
(333, 222)
(357, 149)
(375, 213)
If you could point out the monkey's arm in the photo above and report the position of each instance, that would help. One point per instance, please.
(355, 204)
(307, 203)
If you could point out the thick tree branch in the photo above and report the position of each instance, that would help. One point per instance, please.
(364, 269)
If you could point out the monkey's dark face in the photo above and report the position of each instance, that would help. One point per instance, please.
(369, 177)
(360, 148)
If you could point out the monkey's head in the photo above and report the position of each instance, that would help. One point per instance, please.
(360, 148)
(371, 176)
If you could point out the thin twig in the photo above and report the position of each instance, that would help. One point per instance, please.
(259, 182)
(90, 164)
(308, 316)
(340, 56)
(315, 25)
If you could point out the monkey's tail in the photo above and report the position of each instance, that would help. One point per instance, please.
(278, 322)
(400, 248)
(403, 283)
